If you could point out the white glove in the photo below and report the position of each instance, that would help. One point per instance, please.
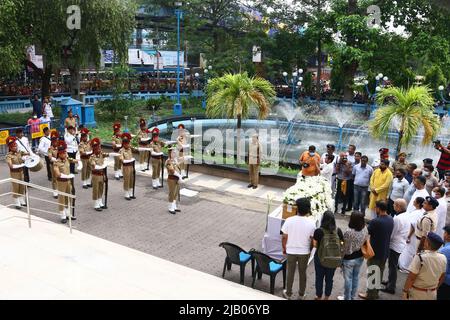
(66, 176)
(114, 154)
(88, 153)
(145, 139)
(80, 165)
(118, 146)
(97, 167)
(17, 166)
(180, 177)
(129, 161)
(52, 159)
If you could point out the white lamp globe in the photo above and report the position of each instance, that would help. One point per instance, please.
(385, 78)
(294, 74)
(366, 82)
(205, 71)
(210, 67)
(299, 83)
(196, 75)
(301, 78)
(377, 78)
(300, 71)
(378, 88)
(380, 75)
(285, 74)
(441, 88)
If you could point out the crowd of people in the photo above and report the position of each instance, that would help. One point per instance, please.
(408, 228)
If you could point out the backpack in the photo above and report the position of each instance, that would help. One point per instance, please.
(330, 250)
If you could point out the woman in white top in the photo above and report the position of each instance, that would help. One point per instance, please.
(48, 108)
(411, 246)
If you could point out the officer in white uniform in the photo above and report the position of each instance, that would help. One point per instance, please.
(72, 146)
(44, 144)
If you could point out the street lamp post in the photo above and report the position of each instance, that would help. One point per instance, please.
(204, 83)
(177, 108)
(441, 93)
(296, 82)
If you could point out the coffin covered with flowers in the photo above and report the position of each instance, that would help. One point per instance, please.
(317, 189)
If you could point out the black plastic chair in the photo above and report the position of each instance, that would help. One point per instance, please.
(236, 255)
(269, 266)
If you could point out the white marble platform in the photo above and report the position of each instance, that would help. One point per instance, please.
(47, 262)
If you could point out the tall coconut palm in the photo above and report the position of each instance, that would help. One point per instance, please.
(234, 95)
(411, 109)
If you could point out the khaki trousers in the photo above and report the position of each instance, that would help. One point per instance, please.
(17, 188)
(292, 261)
(156, 168)
(253, 170)
(86, 171)
(174, 188)
(143, 157)
(63, 186)
(415, 294)
(128, 178)
(117, 164)
(97, 187)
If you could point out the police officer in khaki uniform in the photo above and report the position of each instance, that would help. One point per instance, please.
(128, 162)
(427, 271)
(174, 179)
(116, 146)
(15, 161)
(254, 161)
(53, 155)
(70, 121)
(157, 156)
(144, 142)
(427, 222)
(85, 151)
(182, 144)
(61, 169)
(98, 165)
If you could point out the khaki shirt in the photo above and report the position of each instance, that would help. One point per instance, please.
(397, 165)
(157, 146)
(70, 122)
(84, 148)
(97, 159)
(429, 270)
(126, 154)
(52, 153)
(254, 153)
(61, 167)
(116, 143)
(143, 135)
(172, 167)
(14, 158)
(426, 223)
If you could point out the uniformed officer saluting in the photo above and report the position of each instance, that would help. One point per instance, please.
(182, 144)
(52, 156)
(143, 141)
(116, 145)
(127, 160)
(61, 169)
(426, 223)
(173, 180)
(98, 165)
(15, 161)
(427, 271)
(157, 156)
(85, 153)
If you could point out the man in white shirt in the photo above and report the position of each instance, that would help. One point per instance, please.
(297, 243)
(44, 144)
(23, 145)
(402, 226)
(327, 168)
(45, 119)
(72, 146)
(439, 194)
(419, 183)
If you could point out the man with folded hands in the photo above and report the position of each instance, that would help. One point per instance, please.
(85, 153)
(183, 145)
(61, 169)
(157, 156)
(15, 161)
(127, 160)
(144, 142)
(98, 165)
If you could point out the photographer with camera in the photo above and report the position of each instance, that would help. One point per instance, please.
(444, 161)
(310, 162)
(344, 170)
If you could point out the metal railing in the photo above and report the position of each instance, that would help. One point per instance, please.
(28, 197)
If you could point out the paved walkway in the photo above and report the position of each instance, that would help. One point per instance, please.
(190, 238)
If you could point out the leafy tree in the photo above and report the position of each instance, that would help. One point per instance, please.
(435, 78)
(412, 108)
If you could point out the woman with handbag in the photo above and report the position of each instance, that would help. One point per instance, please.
(355, 239)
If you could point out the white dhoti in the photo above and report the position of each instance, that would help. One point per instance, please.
(407, 254)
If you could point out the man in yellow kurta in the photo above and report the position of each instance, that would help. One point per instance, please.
(379, 183)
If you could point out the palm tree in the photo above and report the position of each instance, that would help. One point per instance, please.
(234, 95)
(411, 108)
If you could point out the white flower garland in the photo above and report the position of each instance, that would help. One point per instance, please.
(316, 188)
